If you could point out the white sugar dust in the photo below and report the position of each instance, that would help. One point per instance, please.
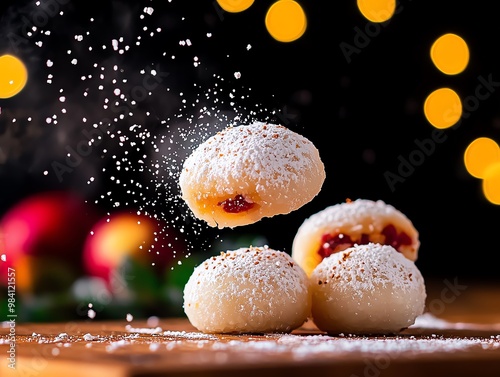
(125, 107)
(172, 343)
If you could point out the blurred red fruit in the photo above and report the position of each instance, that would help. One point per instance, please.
(124, 235)
(44, 229)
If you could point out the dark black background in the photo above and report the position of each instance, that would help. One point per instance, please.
(363, 113)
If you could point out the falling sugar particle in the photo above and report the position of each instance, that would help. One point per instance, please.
(130, 317)
(128, 150)
(153, 321)
(154, 347)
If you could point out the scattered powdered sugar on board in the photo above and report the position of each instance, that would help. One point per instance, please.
(302, 346)
(430, 321)
(89, 337)
(180, 335)
(144, 330)
(297, 346)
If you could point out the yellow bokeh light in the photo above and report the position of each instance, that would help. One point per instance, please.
(13, 76)
(491, 183)
(235, 6)
(450, 54)
(286, 21)
(480, 154)
(377, 10)
(443, 108)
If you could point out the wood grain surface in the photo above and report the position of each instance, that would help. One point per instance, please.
(462, 338)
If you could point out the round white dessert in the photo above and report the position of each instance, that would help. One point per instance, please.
(247, 172)
(366, 290)
(248, 290)
(360, 221)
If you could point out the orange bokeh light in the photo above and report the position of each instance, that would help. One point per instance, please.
(128, 235)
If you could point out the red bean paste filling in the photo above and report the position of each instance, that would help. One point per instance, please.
(333, 243)
(236, 205)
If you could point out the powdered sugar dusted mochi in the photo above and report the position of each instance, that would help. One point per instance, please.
(366, 290)
(343, 225)
(248, 290)
(245, 173)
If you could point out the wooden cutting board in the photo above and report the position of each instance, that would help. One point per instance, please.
(174, 348)
(464, 340)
